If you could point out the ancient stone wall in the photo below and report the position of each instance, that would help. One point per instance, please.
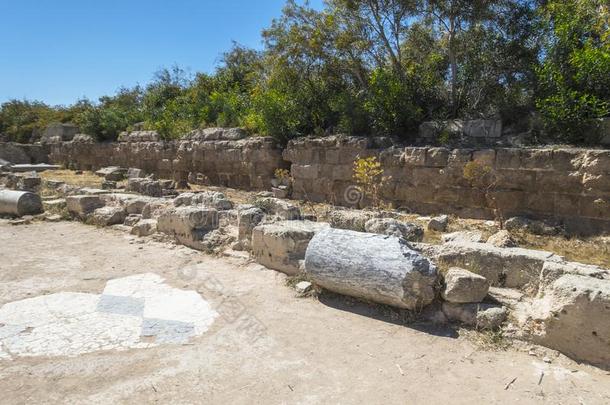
(18, 153)
(572, 185)
(246, 163)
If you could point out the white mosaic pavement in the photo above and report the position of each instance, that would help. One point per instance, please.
(133, 312)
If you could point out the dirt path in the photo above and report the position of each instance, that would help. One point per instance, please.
(266, 346)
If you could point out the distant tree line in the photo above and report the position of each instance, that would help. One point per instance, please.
(376, 67)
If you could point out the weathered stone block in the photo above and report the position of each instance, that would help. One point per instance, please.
(541, 159)
(281, 245)
(594, 207)
(483, 128)
(414, 156)
(437, 157)
(504, 267)
(463, 286)
(305, 171)
(502, 239)
(144, 227)
(81, 205)
(438, 224)
(280, 208)
(574, 318)
(486, 157)
(481, 316)
(393, 227)
(463, 236)
(508, 159)
(107, 216)
(247, 219)
(188, 224)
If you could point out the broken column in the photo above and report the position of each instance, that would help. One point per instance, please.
(378, 268)
(19, 203)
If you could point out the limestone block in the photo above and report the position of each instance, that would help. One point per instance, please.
(463, 286)
(437, 157)
(389, 226)
(463, 236)
(481, 316)
(281, 208)
(144, 227)
(188, 224)
(504, 267)
(573, 317)
(281, 245)
(81, 205)
(247, 219)
(107, 216)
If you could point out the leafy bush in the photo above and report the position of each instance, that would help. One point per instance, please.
(368, 174)
(575, 76)
(390, 104)
(375, 67)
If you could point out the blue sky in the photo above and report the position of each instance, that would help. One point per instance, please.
(57, 51)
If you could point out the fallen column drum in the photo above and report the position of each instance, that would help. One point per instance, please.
(19, 203)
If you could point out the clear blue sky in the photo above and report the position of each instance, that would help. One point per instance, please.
(57, 51)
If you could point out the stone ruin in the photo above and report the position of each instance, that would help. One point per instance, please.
(569, 185)
(372, 255)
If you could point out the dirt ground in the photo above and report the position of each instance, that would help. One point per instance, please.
(267, 346)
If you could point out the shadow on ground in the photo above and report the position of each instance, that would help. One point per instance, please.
(385, 313)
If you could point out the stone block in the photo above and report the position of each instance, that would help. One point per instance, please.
(486, 157)
(305, 171)
(281, 245)
(483, 128)
(503, 267)
(573, 317)
(144, 227)
(414, 156)
(463, 286)
(437, 157)
(541, 159)
(81, 205)
(188, 224)
(107, 216)
(248, 218)
(481, 316)
(390, 226)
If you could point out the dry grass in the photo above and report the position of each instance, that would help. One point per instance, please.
(595, 250)
(86, 179)
(586, 250)
(489, 340)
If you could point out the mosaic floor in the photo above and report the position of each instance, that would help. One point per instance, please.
(133, 312)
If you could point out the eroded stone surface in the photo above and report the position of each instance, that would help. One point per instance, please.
(130, 308)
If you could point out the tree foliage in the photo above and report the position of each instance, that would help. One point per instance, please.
(374, 67)
(575, 75)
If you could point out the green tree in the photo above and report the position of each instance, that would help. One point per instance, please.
(574, 91)
(20, 119)
(111, 115)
